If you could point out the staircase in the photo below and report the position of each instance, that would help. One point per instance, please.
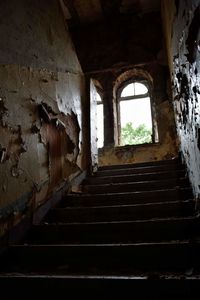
(131, 234)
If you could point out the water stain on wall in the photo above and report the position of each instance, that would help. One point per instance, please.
(41, 96)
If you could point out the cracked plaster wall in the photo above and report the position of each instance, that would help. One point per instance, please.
(41, 96)
(183, 48)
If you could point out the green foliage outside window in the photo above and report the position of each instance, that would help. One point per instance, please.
(135, 136)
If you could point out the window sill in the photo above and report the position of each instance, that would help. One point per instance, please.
(138, 145)
(128, 147)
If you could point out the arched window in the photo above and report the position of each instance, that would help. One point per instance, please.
(134, 113)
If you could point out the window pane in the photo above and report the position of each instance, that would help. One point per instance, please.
(140, 89)
(98, 97)
(136, 121)
(128, 90)
(100, 126)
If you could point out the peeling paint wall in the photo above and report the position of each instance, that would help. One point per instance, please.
(41, 96)
(186, 79)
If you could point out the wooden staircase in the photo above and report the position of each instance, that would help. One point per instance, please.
(131, 234)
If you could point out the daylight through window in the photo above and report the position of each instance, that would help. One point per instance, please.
(100, 122)
(135, 118)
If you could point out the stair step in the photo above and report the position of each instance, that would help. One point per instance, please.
(135, 177)
(99, 287)
(175, 161)
(140, 197)
(122, 212)
(131, 234)
(112, 259)
(139, 169)
(115, 232)
(136, 186)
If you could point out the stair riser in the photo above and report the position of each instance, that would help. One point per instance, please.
(130, 198)
(98, 289)
(105, 242)
(141, 170)
(114, 232)
(135, 178)
(121, 213)
(106, 259)
(136, 186)
(174, 162)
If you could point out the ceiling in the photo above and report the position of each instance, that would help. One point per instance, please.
(112, 33)
(79, 12)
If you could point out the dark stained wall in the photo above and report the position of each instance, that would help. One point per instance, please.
(184, 57)
(33, 34)
(42, 93)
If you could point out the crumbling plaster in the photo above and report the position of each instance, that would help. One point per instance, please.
(41, 97)
(185, 61)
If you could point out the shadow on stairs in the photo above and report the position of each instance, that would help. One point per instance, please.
(131, 234)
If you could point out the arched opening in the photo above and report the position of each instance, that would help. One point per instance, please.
(134, 109)
(134, 113)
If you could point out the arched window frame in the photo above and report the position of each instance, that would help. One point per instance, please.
(144, 82)
(119, 98)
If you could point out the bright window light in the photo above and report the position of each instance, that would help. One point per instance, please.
(135, 115)
(136, 122)
(140, 89)
(128, 90)
(134, 89)
(98, 97)
(100, 122)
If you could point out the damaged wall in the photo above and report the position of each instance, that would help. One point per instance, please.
(166, 148)
(185, 53)
(41, 95)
